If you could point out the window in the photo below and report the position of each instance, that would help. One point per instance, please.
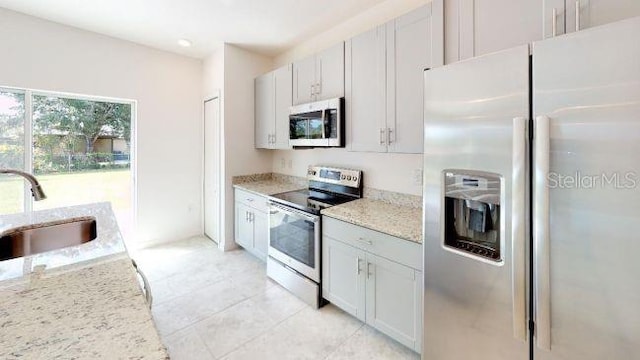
(79, 148)
(12, 113)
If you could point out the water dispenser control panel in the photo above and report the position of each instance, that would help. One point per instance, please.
(472, 205)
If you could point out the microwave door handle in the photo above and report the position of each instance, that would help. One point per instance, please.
(324, 119)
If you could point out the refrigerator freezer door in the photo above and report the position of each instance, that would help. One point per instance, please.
(476, 120)
(586, 86)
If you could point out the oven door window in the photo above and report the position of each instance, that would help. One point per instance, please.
(294, 236)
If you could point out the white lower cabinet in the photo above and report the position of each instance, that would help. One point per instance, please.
(343, 279)
(260, 234)
(394, 300)
(383, 291)
(251, 223)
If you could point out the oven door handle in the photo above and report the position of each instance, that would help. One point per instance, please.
(312, 218)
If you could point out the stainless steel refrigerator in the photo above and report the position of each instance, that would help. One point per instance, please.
(532, 201)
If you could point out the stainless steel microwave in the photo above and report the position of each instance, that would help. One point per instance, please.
(317, 124)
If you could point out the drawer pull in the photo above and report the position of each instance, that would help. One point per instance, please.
(358, 265)
(249, 200)
(368, 242)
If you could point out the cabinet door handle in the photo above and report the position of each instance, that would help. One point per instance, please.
(251, 217)
(382, 137)
(246, 216)
(369, 273)
(358, 265)
(319, 88)
(554, 27)
(312, 91)
(389, 131)
(577, 15)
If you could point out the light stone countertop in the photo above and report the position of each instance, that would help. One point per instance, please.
(268, 187)
(397, 220)
(80, 302)
(108, 243)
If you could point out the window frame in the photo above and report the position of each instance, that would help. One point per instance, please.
(28, 136)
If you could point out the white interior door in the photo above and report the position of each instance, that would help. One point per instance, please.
(212, 168)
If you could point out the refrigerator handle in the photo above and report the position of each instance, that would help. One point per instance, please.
(541, 280)
(518, 228)
(554, 24)
(577, 15)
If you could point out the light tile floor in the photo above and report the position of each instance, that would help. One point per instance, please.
(210, 304)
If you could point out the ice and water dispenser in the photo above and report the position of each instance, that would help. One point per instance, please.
(472, 213)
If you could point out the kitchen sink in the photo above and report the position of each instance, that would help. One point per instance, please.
(48, 236)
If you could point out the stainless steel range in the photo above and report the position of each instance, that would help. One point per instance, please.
(295, 229)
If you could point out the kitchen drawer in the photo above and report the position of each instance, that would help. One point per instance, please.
(390, 247)
(258, 202)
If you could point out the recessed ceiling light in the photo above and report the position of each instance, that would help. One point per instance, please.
(184, 42)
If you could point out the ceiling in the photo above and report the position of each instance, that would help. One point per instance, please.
(264, 26)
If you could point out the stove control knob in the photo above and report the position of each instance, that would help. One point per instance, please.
(343, 177)
(355, 178)
(349, 177)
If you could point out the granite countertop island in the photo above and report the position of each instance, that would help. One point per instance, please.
(79, 302)
(401, 221)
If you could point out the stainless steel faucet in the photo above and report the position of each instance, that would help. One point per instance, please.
(36, 189)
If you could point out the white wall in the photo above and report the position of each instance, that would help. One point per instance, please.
(39, 54)
(230, 72)
(213, 74)
(392, 172)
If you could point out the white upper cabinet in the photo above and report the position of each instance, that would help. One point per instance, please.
(365, 91)
(383, 86)
(273, 98)
(576, 15)
(283, 81)
(477, 27)
(320, 76)
(330, 73)
(264, 111)
(409, 53)
(304, 80)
